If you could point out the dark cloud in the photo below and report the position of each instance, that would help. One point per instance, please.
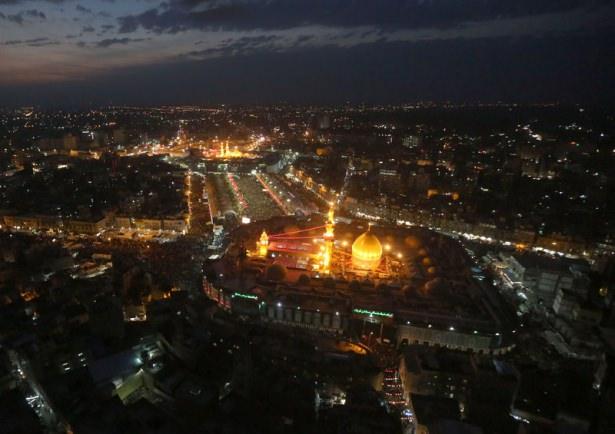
(180, 15)
(235, 47)
(34, 42)
(21, 17)
(27, 41)
(175, 20)
(88, 29)
(83, 9)
(109, 42)
(87, 11)
(34, 13)
(43, 44)
(305, 38)
(19, 2)
(118, 41)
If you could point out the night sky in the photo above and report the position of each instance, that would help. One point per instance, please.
(82, 52)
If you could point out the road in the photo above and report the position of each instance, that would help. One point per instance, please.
(393, 391)
(36, 397)
(199, 218)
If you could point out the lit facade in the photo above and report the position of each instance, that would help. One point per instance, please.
(263, 244)
(329, 238)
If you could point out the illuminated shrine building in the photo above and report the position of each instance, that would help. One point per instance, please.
(226, 152)
(366, 252)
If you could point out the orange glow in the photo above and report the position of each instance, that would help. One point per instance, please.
(366, 251)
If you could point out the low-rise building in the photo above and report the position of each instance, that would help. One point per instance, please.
(436, 372)
(543, 275)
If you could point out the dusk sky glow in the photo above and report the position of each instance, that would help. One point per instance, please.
(198, 51)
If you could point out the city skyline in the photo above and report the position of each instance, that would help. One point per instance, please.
(307, 216)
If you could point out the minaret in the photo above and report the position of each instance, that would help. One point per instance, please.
(329, 238)
(262, 244)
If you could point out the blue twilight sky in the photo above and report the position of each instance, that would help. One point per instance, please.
(64, 52)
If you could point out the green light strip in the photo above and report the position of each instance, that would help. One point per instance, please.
(248, 296)
(372, 313)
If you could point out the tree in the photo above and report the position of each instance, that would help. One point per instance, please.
(354, 285)
(304, 280)
(275, 273)
(328, 282)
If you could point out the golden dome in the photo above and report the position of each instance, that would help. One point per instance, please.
(366, 251)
